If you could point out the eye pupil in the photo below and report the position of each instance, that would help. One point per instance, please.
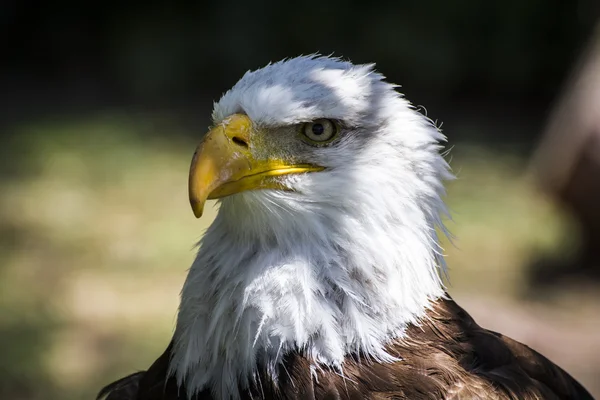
(318, 129)
(319, 132)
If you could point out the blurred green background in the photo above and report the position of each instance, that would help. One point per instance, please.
(103, 104)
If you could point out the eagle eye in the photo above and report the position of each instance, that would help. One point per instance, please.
(320, 131)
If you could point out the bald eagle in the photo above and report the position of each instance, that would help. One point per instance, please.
(321, 276)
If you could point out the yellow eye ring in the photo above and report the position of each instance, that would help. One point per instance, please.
(320, 131)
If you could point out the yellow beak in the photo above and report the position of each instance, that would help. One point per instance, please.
(223, 164)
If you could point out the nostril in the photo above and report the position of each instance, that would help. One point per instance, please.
(240, 142)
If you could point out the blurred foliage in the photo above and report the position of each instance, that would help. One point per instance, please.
(87, 222)
(97, 236)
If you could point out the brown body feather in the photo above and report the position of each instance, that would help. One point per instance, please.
(447, 357)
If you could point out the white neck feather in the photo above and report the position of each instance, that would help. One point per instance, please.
(347, 273)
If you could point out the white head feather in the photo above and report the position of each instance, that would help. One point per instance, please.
(340, 265)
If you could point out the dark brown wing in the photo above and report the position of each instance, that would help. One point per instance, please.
(153, 384)
(513, 369)
(124, 389)
(450, 357)
(447, 357)
(539, 368)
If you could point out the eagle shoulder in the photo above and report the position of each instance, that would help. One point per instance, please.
(447, 356)
(153, 384)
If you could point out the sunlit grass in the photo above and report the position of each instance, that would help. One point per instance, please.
(97, 235)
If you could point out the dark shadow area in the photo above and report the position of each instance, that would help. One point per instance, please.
(501, 59)
(566, 166)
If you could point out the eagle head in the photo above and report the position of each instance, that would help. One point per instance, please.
(310, 134)
(331, 188)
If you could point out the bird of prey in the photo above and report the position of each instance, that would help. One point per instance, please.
(321, 276)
